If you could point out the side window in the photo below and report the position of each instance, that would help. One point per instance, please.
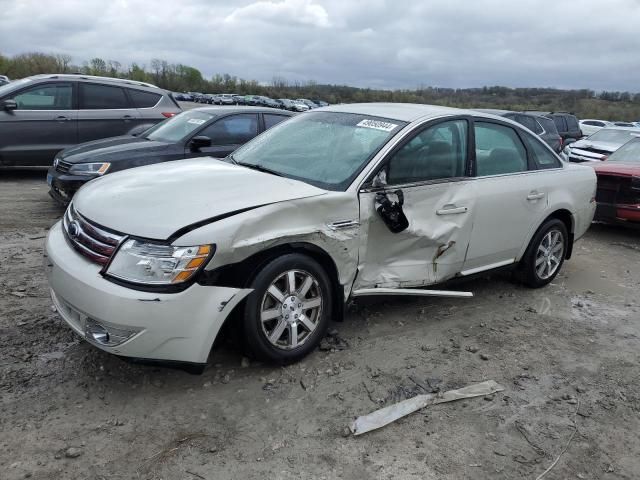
(498, 150)
(102, 97)
(233, 130)
(270, 120)
(142, 99)
(51, 96)
(541, 155)
(437, 152)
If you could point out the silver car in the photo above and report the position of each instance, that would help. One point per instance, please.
(336, 203)
(43, 114)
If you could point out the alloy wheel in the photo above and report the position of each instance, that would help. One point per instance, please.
(549, 254)
(291, 309)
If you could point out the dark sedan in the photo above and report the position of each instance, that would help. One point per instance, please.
(206, 131)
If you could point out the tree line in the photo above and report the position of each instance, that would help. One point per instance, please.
(608, 105)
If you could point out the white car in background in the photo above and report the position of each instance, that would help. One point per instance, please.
(598, 146)
(340, 202)
(590, 126)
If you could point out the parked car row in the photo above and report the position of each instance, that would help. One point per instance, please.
(297, 105)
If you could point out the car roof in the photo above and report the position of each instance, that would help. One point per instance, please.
(406, 112)
(75, 76)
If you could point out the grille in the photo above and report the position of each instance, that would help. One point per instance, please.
(613, 189)
(91, 241)
(62, 166)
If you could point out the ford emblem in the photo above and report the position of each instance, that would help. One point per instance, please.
(74, 229)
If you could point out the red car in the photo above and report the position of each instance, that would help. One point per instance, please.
(618, 193)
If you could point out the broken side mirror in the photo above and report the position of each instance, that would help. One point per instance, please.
(390, 210)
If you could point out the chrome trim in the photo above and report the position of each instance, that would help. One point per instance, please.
(343, 224)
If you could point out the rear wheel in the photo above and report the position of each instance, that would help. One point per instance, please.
(288, 312)
(545, 255)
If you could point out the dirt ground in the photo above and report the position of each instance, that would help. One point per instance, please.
(567, 356)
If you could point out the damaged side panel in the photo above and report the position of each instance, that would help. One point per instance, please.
(433, 246)
(329, 222)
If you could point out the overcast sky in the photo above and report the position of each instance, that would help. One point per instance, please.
(368, 43)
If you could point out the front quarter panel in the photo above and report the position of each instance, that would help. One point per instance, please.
(310, 220)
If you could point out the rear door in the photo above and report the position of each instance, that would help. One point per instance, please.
(511, 196)
(429, 173)
(105, 111)
(44, 123)
(227, 134)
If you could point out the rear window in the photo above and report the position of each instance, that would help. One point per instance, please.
(547, 124)
(572, 123)
(102, 97)
(142, 99)
(541, 155)
(561, 125)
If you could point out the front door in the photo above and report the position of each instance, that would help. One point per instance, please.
(424, 240)
(227, 134)
(44, 123)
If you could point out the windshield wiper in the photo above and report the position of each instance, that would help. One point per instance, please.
(260, 168)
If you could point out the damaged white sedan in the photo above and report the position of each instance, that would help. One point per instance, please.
(335, 203)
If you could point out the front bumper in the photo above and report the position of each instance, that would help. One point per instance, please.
(617, 213)
(62, 186)
(167, 326)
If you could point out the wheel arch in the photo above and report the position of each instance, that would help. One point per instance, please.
(240, 274)
(566, 217)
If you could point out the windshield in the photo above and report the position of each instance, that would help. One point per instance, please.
(325, 149)
(612, 135)
(9, 87)
(177, 128)
(628, 153)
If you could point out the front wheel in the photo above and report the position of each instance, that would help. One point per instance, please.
(288, 312)
(545, 254)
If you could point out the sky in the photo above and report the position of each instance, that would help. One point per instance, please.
(366, 43)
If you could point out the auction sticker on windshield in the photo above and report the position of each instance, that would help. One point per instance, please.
(377, 124)
(196, 121)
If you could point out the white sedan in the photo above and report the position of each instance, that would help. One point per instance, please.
(336, 203)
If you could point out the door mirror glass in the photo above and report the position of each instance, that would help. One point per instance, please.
(199, 142)
(9, 105)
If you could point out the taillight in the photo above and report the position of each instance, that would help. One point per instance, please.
(168, 114)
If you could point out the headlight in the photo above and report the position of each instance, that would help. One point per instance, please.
(90, 168)
(157, 264)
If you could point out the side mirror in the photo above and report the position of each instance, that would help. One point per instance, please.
(9, 105)
(199, 142)
(569, 141)
(139, 130)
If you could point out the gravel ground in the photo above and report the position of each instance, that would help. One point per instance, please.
(567, 356)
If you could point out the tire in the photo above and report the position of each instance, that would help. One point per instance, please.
(538, 268)
(281, 340)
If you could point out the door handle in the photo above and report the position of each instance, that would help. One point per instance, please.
(535, 195)
(126, 118)
(62, 118)
(451, 210)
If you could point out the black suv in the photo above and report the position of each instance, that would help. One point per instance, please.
(542, 126)
(43, 114)
(566, 124)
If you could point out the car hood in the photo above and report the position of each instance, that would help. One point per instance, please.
(621, 169)
(587, 144)
(158, 200)
(111, 149)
